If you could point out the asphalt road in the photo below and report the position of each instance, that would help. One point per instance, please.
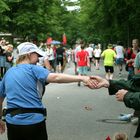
(79, 113)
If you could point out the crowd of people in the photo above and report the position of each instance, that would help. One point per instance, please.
(6, 57)
(25, 111)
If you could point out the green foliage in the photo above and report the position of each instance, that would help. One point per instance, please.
(111, 20)
(97, 21)
(3, 6)
(3, 17)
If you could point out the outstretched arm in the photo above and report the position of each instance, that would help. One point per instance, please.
(66, 78)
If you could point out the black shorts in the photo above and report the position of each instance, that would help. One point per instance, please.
(109, 69)
(51, 63)
(27, 132)
(60, 60)
(97, 58)
(90, 59)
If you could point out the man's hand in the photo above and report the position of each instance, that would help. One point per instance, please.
(89, 82)
(99, 82)
(120, 94)
(96, 82)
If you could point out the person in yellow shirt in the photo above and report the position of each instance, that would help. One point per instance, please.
(109, 55)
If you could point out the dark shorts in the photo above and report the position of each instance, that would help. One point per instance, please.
(27, 132)
(52, 63)
(109, 69)
(90, 59)
(75, 64)
(119, 61)
(60, 60)
(97, 58)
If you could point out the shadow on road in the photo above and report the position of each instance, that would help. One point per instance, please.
(113, 121)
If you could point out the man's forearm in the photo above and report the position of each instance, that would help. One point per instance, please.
(116, 85)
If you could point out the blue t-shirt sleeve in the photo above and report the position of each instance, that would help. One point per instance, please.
(41, 73)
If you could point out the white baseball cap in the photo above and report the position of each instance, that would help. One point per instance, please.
(28, 47)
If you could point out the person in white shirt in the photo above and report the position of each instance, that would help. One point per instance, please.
(119, 49)
(74, 58)
(89, 49)
(50, 55)
(97, 56)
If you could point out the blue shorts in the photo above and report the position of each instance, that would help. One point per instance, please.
(83, 70)
(119, 61)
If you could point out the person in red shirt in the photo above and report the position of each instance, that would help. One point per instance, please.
(130, 57)
(82, 61)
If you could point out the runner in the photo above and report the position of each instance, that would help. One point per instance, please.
(25, 114)
(119, 49)
(109, 55)
(83, 62)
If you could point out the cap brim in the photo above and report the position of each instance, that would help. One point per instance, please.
(40, 52)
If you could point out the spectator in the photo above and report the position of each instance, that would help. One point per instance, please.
(137, 64)
(127, 91)
(9, 56)
(2, 57)
(133, 68)
(120, 136)
(130, 57)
